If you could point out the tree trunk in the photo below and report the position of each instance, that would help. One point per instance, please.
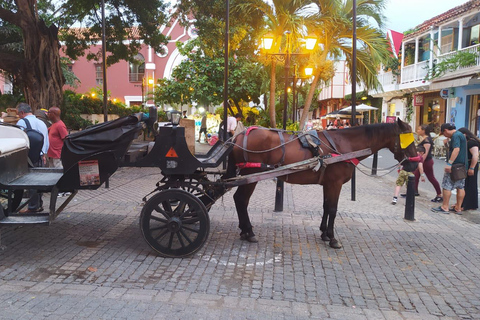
(271, 108)
(42, 73)
(308, 101)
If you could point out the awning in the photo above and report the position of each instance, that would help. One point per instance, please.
(459, 82)
(342, 115)
(360, 108)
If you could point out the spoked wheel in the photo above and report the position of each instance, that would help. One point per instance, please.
(175, 223)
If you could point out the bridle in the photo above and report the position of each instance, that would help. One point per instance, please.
(402, 142)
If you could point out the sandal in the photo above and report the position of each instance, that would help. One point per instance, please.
(439, 209)
(437, 199)
(453, 209)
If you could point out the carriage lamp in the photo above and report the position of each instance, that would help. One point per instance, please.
(174, 117)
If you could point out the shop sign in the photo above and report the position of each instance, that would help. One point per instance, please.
(391, 119)
(444, 93)
(418, 100)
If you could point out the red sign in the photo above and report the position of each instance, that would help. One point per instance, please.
(418, 100)
(391, 119)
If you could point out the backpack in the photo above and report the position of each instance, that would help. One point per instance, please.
(36, 142)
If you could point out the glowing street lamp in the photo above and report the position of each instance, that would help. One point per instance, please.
(267, 43)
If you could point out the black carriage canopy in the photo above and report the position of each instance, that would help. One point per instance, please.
(115, 136)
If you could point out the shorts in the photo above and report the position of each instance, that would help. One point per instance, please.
(402, 178)
(448, 184)
(203, 130)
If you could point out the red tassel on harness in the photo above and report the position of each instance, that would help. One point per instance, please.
(415, 159)
(354, 161)
(243, 165)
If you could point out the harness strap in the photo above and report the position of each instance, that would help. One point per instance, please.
(245, 153)
(282, 143)
(329, 139)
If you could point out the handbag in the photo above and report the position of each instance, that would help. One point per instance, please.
(459, 172)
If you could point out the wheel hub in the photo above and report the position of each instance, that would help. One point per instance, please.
(174, 224)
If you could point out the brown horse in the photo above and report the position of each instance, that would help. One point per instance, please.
(264, 146)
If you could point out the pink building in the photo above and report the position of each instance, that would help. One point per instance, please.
(129, 82)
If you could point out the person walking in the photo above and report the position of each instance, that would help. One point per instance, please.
(203, 128)
(470, 202)
(458, 155)
(56, 134)
(426, 141)
(24, 112)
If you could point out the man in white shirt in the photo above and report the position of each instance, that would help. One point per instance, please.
(24, 111)
(232, 124)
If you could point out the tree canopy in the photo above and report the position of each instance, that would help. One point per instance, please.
(34, 29)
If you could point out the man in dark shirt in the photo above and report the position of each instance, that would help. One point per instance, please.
(458, 154)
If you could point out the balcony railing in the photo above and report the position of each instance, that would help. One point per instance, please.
(387, 78)
(136, 77)
(473, 49)
(415, 72)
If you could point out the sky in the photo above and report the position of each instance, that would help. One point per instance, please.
(406, 14)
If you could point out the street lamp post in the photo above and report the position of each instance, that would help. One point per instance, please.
(308, 73)
(267, 45)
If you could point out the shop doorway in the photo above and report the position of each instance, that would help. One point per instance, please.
(473, 114)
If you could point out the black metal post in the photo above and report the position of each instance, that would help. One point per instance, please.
(410, 200)
(104, 57)
(280, 184)
(294, 87)
(375, 164)
(225, 69)
(354, 82)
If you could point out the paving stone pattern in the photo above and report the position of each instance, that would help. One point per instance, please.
(92, 262)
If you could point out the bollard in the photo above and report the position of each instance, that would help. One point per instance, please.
(279, 196)
(410, 200)
(375, 164)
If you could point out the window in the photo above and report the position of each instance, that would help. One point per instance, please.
(98, 74)
(447, 44)
(137, 69)
(474, 35)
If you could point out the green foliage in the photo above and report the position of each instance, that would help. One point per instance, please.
(70, 78)
(76, 104)
(461, 59)
(410, 109)
(9, 101)
(200, 78)
(392, 64)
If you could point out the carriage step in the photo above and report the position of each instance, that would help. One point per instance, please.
(36, 219)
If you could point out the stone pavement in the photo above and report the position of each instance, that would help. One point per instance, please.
(92, 262)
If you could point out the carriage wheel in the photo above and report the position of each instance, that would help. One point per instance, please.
(174, 223)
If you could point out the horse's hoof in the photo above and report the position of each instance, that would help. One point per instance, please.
(248, 237)
(324, 237)
(335, 244)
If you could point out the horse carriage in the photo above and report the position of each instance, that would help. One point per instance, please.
(175, 217)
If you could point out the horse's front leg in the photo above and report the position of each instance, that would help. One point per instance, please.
(330, 203)
(323, 225)
(242, 198)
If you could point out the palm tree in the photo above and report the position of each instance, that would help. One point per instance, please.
(333, 25)
(280, 16)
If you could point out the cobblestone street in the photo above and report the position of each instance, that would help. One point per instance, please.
(93, 263)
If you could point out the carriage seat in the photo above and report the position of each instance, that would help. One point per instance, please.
(8, 145)
(215, 155)
(12, 139)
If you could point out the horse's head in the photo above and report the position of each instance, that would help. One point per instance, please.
(403, 146)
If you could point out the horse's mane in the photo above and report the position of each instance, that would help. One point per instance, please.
(376, 130)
